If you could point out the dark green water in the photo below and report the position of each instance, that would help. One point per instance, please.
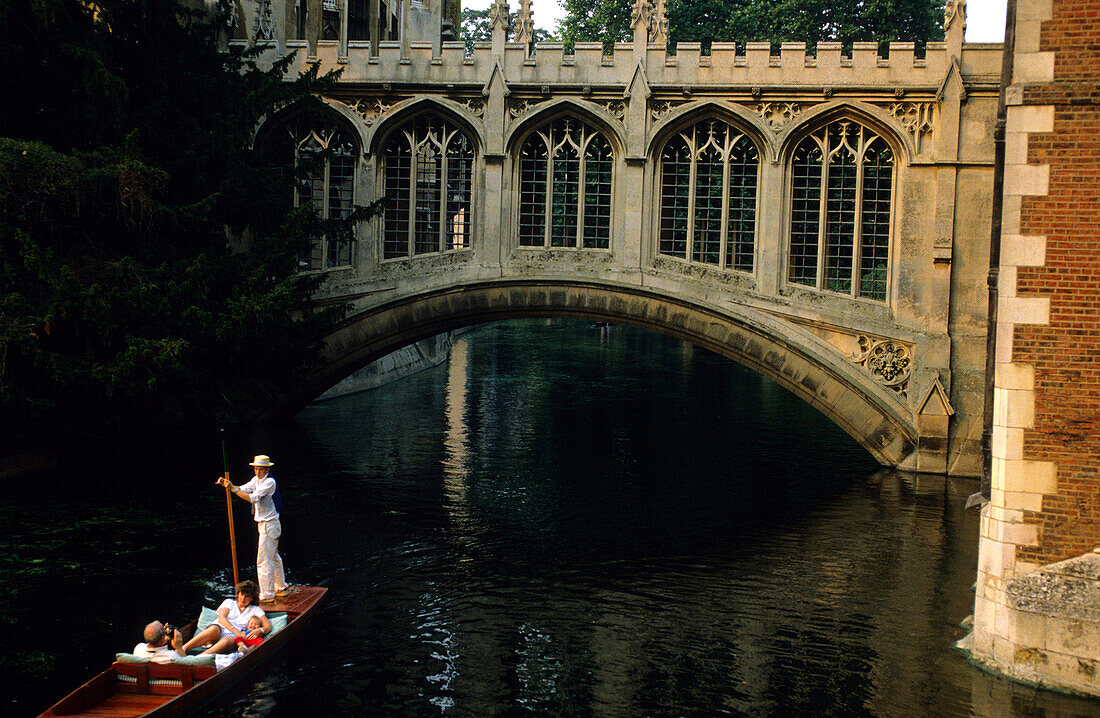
(564, 520)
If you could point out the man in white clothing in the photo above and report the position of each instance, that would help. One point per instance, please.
(162, 643)
(260, 492)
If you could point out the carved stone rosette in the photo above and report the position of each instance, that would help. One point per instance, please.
(886, 360)
(615, 108)
(476, 106)
(662, 107)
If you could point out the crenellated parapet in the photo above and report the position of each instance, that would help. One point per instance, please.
(837, 196)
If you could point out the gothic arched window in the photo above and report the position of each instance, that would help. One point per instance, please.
(708, 196)
(325, 153)
(565, 180)
(428, 184)
(841, 195)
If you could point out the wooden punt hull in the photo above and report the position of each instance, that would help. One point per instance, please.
(164, 691)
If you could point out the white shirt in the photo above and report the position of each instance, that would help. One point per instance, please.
(262, 492)
(164, 654)
(237, 617)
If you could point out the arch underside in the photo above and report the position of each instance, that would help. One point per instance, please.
(781, 351)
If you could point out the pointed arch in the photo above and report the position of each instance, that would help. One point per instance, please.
(737, 115)
(843, 176)
(874, 118)
(547, 112)
(407, 110)
(708, 173)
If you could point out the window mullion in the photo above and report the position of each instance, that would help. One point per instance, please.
(549, 201)
(723, 229)
(857, 228)
(411, 228)
(823, 215)
(441, 238)
(689, 250)
(582, 164)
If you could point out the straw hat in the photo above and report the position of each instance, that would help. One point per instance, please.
(262, 460)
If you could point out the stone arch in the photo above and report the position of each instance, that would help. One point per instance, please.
(548, 112)
(737, 115)
(873, 117)
(341, 113)
(407, 110)
(784, 352)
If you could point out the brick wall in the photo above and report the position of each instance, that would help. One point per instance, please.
(1066, 352)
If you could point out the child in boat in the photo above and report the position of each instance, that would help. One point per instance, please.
(249, 641)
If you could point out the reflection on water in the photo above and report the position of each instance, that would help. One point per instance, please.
(563, 520)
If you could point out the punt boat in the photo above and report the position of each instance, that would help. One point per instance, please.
(127, 690)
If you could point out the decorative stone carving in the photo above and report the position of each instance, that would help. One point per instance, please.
(886, 360)
(498, 14)
(916, 118)
(955, 9)
(662, 107)
(265, 22)
(655, 18)
(525, 30)
(658, 28)
(778, 114)
(371, 109)
(519, 105)
(476, 106)
(615, 108)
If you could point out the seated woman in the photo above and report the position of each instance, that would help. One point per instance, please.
(233, 622)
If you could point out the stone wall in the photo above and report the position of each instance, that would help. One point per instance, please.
(934, 110)
(1029, 617)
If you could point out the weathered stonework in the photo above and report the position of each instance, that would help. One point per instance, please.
(934, 112)
(1036, 620)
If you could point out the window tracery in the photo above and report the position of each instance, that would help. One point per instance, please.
(325, 153)
(709, 174)
(565, 178)
(428, 185)
(841, 201)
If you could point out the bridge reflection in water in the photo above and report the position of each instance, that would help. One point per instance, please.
(592, 519)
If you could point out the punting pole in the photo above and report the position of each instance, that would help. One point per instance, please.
(229, 508)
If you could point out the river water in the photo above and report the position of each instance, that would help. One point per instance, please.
(565, 519)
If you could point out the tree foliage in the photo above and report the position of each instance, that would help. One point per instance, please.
(125, 163)
(810, 21)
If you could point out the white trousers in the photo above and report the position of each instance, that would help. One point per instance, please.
(269, 564)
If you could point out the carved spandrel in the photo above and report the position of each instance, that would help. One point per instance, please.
(661, 108)
(778, 115)
(916, 118)
(519, 105)
(372, 109)
(887, 360)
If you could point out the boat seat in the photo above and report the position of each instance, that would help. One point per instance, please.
(159, 679)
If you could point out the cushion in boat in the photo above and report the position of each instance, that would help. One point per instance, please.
(130, 658)
(194, 660)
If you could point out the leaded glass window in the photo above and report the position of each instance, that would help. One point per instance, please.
(841, 198)
(565, 179)
(326, 158)
(428, 183)
(709, 177)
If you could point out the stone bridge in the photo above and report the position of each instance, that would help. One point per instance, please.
(821, 217)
